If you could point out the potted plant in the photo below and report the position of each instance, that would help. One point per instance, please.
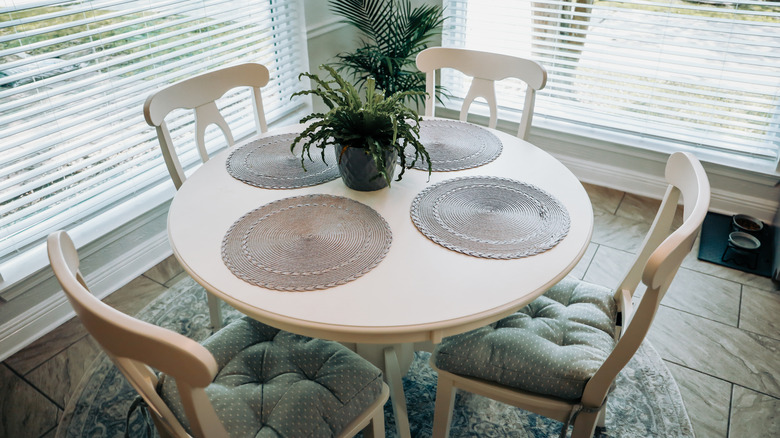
(394, 33)
(368, 135)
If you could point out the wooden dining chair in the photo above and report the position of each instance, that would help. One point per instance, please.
(559, 356)
(485, 69)
(248, 379)
(200, 94)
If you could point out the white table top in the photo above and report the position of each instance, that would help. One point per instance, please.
(421, 291)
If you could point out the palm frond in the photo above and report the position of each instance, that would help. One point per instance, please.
(366, 15)
(395, 33)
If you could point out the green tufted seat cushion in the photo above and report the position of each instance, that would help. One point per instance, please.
(273, 383)
(552, 346)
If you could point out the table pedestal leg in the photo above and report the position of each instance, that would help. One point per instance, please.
(215, 313)
(394, 360)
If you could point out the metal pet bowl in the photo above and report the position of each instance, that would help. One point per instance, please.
(747, 224)
(743, 241)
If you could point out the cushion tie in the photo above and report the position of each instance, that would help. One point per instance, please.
(139, 404)
(575, 410)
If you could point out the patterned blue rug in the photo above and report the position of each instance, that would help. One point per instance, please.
(645, 403)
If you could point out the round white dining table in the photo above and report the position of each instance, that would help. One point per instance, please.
(420, 292)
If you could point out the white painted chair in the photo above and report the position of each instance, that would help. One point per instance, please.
(184, 405)
(199, 94)
(485, 69)
(540, 361)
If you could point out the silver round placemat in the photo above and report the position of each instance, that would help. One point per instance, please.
(306, 243)
(268, 163)
(490, 217)
(454, 145)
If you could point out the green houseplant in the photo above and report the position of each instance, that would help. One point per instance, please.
(394, 34)
(368, 135)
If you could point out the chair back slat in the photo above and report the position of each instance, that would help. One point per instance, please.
(485, 68)
(200, 94)
(206, 115)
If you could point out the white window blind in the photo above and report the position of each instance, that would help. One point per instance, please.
(701, 74)
(75, 150)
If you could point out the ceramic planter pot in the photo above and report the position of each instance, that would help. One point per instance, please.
(358, 169)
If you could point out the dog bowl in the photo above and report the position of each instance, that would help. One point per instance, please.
(743, 241)
(745, 223)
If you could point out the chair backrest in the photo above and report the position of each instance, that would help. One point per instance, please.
(199, 93)
(656, 264)
(135, 346)
(484, 68)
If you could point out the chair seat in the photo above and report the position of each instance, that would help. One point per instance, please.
(272, 383)
(552, 346)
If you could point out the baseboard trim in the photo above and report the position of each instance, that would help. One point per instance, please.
(653, 186)
(55, 310)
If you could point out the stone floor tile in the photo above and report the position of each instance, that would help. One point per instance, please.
(47, 346)
(618, 232)
(582, 266)
(693, 292)
(704, 295)
(759, 312)
(129, 299)
(644, 209)
(165, 270)
(50, 434)
(608, 267)
(754, 415)
(602, 198)
(717, 349)
(638, 208)
(706, 399)
(59, 376)
(134, 296)
(177, 279)
(24, 412)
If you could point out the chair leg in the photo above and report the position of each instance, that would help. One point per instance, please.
(397, 397)
(585, 424)
(602, 421)
(376, 428)
(215, 313)
(445, 402)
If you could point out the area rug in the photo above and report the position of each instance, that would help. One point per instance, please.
(646, 401)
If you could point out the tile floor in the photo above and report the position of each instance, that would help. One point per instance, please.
(718, 331)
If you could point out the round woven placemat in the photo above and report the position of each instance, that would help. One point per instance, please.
(268, 163)
(454, 145)
(306, 243)
(490, 217)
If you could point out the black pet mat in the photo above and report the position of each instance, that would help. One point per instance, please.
(714, 247)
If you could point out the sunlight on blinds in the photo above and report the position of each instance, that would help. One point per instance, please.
(73, 79)
(702, 74)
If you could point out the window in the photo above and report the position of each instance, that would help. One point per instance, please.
(76, 153)
(703, 74)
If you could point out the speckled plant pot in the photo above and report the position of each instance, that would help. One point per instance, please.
(358, 169)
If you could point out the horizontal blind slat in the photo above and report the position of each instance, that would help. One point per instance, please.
(123, 51)
(674, 70)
